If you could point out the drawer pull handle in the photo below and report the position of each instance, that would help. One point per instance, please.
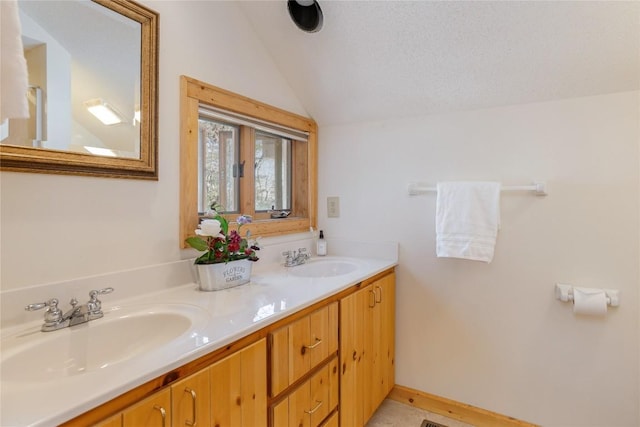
(378, 296)
(193, 421)
(318, 342)
(316, 408)
(163, 413)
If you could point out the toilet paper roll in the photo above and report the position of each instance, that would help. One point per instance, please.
(589, 301)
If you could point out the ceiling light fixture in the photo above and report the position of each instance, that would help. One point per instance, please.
(306, 14)
(103, 111)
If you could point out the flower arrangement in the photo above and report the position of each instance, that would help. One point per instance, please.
(219, 244)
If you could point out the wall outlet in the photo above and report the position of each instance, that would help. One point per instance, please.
(333, 207)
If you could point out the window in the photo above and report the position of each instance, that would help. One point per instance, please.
(247, 157)
(218, 152)
(272, 172)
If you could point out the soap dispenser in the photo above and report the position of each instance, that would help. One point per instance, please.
(321, 245)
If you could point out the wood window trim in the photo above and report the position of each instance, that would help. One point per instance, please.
(193, 93)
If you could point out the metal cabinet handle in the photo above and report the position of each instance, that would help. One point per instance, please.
(163, 414)
(193, 421)
(314, 409)
(372, 302)
(378, 295)
(318, 342)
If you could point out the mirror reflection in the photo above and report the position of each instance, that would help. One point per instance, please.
(84, 62)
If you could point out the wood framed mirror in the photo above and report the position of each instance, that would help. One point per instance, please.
(85, 53)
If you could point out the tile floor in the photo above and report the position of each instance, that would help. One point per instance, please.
(395, 414)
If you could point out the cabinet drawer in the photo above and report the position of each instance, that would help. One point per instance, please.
(302, 345)
(310, 403)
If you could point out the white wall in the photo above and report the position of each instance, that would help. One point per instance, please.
(493, 335)
(57, 228)
(54, 77)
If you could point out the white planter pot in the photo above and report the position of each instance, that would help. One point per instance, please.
(214, 277)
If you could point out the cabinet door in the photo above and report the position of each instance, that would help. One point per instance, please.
(367, 350)
(352, 321)
(387, 329)
(379, 344)
(239, 388)
(191, 402)
(154, 411)
(253, 384)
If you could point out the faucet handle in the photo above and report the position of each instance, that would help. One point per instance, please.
(52, 304)
(94, 294)
(53, 315)
(94, 306)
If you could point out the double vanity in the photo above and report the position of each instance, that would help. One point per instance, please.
(307, 345)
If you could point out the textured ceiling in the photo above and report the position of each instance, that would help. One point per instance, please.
(380, 59)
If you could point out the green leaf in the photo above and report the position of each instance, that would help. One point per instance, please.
(197, 243)
(224, 224)
(203, 259)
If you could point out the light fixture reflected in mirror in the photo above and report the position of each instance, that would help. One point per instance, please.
(103, 111)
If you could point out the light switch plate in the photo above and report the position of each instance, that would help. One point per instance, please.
(333, 207)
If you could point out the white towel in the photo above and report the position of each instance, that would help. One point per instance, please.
(13, 67)
(467, 219)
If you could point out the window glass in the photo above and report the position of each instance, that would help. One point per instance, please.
(219, 166)
(272, 172)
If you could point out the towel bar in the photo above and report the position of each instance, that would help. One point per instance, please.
(538, 188)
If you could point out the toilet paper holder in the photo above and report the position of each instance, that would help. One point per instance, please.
(565, 294)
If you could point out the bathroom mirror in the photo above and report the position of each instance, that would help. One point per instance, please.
(84, 54)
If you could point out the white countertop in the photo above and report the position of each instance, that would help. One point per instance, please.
(229, 315)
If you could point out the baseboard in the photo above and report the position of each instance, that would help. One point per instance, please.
(450, 408)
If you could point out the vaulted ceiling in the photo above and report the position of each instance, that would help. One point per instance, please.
(378, 59)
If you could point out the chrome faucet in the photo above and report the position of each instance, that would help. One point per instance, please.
(54, 319)
(292, 258)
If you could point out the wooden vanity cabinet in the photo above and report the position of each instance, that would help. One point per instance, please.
(367, 350)
(329, 364)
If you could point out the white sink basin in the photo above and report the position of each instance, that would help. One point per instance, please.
(323, 268)
(122, 334)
